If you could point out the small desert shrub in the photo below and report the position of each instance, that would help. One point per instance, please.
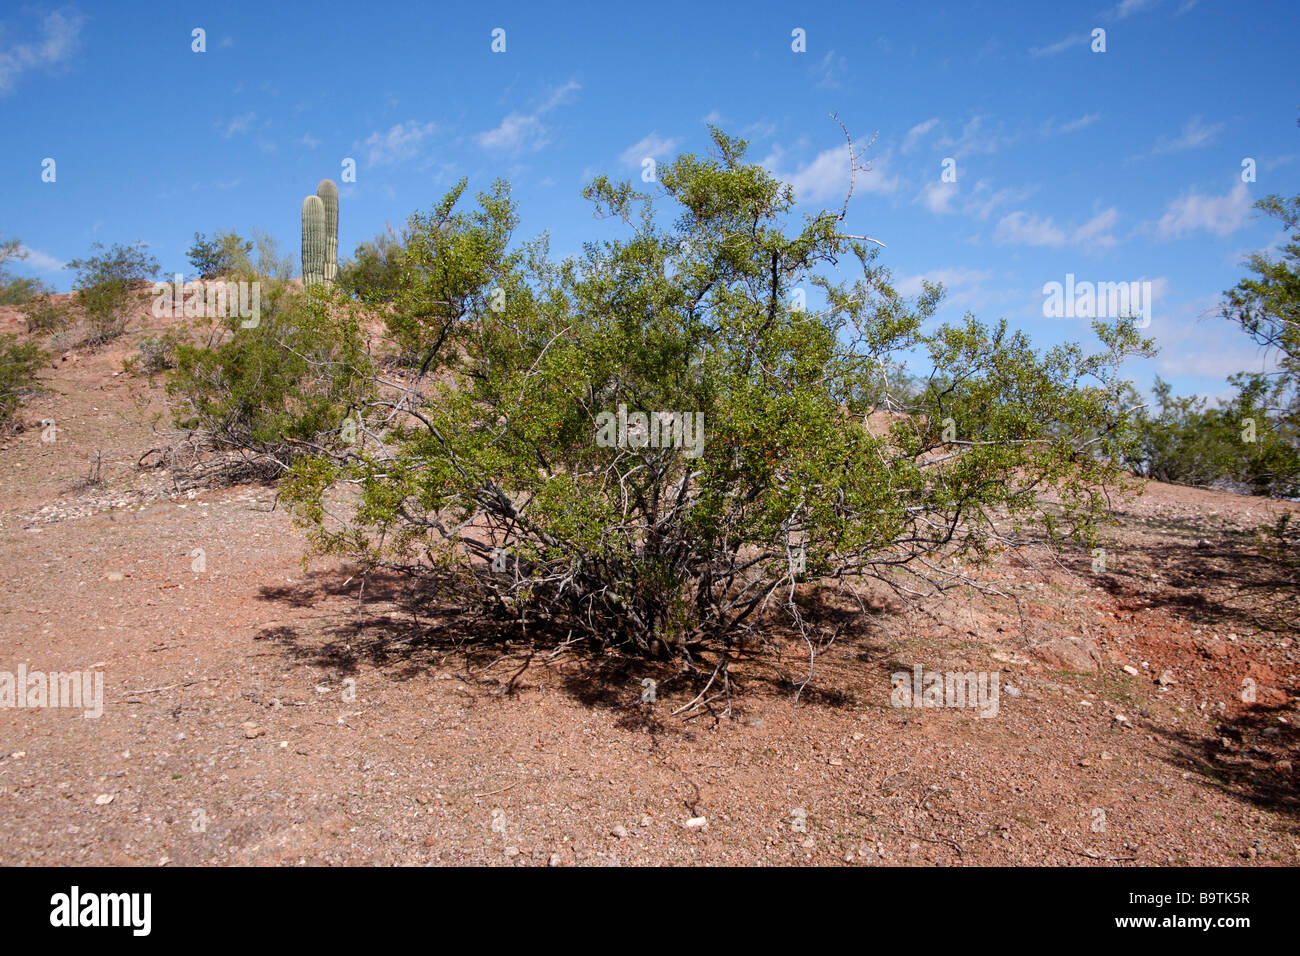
(44, 316)
(19, 362)
(154, 354)
(278, 389)
(374, 272)
(1249, 444)
(21, 289)
(653, 443)
(223, 254)
(107, 288)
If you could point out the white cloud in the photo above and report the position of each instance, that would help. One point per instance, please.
(938, 196)
(400, 143)
(916, 132)
(308, 140)
(827, 176)
(1127, 8)
(652, 145)
(984, 199)
(526, 131)
(975, 138)
(955, 278)
(60, 37)
(1095, 233)
(1195, 133)
(1060, 46)
(1051, 128)
(41, 261)
(828, 69)
(1194, 212)
(1020, 228)
(239, 124)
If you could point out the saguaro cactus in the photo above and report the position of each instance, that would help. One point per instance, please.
(329, 195)
(313, 241)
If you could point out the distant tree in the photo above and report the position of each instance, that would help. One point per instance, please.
(223, 254)
(106, 287)
(374, 273)
(1238, 445)
(1266, 305)
(17, 290)
(270, 261)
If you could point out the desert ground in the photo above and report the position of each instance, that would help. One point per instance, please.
(259, 711)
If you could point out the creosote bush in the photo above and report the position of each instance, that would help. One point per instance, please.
(277, 389)
(481, 472)
(19, 362)
(108, 288)
(44, 316)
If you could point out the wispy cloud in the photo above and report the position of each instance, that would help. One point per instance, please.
(1053, 128)
(400, 143)
(827, 176)
(1060, 46)
(41, 261)
(829, 70)
(237, 125)
(60, 38)
(653, 145)
(1126, 8)
(954, 278)
(1196, 212)
(917, 132)
(308, 140)
(938, 197)
(518, 132)
(1195, 133)
(1024, 229)
(975, 137)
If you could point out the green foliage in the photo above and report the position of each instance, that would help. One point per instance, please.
(1240, 445)
(270, 262)
(374, 273)
(106, 287)
(1267, 306)
(17, 290)
(19, 362)
(45, 316)
(223, 255)
(278, 389)
(488, 472)
(451, 264)
(154, 354)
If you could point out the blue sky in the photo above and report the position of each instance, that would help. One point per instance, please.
(1121, 165)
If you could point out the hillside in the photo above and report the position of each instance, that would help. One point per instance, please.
(257, 712)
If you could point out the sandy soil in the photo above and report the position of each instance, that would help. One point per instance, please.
(257, 712)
